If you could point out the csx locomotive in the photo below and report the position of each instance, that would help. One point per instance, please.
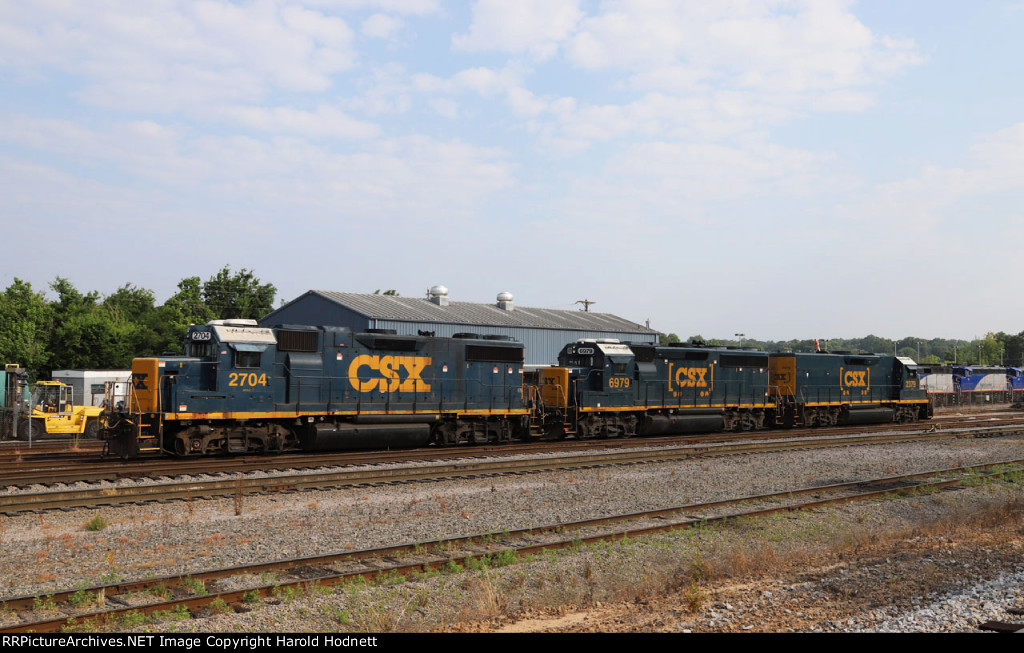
(243, 388)
(614, 389)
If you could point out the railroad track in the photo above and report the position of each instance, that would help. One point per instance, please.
(67, 460)
(128, 602)
(30, 467)
(235, 482)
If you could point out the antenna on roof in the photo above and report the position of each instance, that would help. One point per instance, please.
(586, 304)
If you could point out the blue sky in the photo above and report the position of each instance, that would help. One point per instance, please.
(781, 168)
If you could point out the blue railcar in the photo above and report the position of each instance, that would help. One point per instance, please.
(976, 378)
(243, 388)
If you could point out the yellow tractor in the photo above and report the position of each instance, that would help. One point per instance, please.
(53, 411)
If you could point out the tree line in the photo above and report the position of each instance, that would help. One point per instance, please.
(997, 349)
(75, 330)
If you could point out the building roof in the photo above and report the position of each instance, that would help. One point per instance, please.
(412, 309)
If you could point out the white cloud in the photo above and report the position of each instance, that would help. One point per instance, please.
(381, 26)
(322, 122)
(385, 180)
(164, 56)
(536, 27)
(679, 69)
(791, 45)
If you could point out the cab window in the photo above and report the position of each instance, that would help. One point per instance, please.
(247, 359)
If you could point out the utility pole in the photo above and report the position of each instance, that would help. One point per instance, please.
(586, 304)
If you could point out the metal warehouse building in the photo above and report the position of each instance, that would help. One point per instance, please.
(544, 331)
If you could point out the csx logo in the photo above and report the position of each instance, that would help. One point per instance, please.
(691, 377)
(139, 380)
(855, 379)
(389, 367)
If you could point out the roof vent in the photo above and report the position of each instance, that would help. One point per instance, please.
(505, 301)
(438, 294)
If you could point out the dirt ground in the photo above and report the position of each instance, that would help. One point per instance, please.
(849, 588)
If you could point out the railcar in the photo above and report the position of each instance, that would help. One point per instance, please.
(976, 378)
(603, 388)
(950, 385)
(607, 389)
(937, 379)
(829, 389)
(241, 388)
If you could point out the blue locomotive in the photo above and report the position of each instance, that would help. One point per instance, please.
(970, 384)
(604, 388)
(242, 388)
(842, 388)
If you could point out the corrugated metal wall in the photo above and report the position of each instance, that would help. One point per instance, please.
(542, 345)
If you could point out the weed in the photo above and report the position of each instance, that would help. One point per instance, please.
(336, 614)
(418, 575)
(286, 594)
(451, 567)
(160, 591)
(506, 557)
(132, 619)
(476, 564)
(695, 597)
(44, 603)
(97, 523)
(390, 577)
(80, 598)
(698, 569)
(251, 596)
(218, 606)
(179, 613)
(194, 585)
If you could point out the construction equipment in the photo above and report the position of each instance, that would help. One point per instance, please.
(14, 399)
(48, 410)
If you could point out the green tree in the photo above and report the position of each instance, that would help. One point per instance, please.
(667, 339)
(239, 295)
(93, 334)
(1013, 348)
(991, 349)
(25, 322)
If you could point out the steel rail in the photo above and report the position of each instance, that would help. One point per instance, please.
(64, 498)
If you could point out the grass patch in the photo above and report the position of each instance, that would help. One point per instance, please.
(97, 523)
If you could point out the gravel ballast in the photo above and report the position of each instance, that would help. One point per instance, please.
(54, 550)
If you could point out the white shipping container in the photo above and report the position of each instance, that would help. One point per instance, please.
(88, 385)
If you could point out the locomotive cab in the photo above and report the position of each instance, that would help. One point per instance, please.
(605, 367)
